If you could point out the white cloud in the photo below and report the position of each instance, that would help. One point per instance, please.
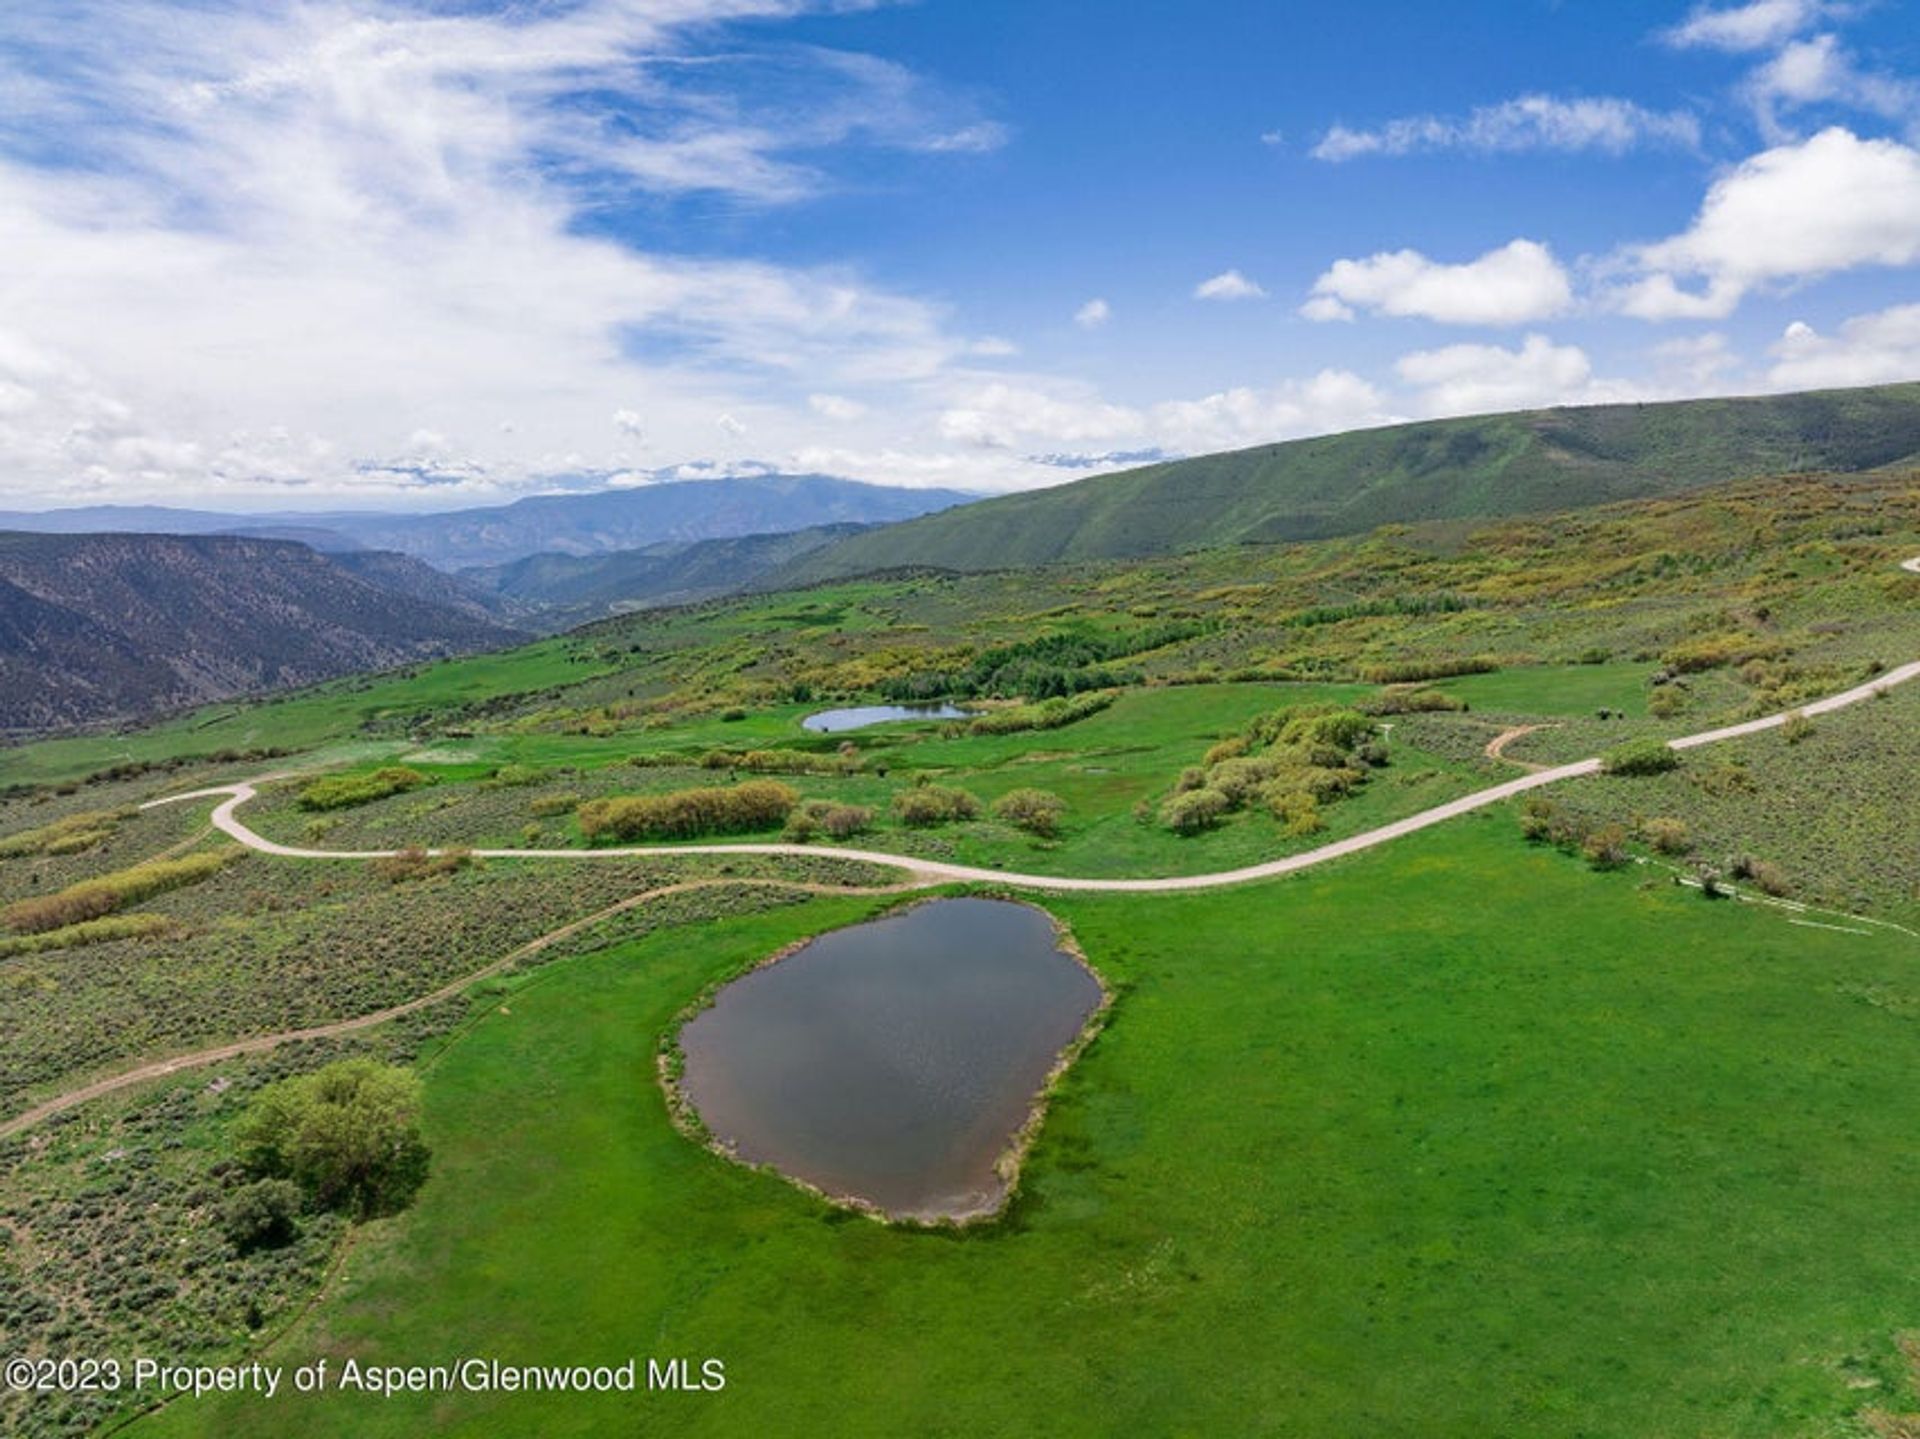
(1228, 285)
(1516, 284)
(1529, 122)
(1478, 379)
(836, 407)
(1821, 71)
(628, 422)
(1013, 417)
(1755, 26)
(977, 139)
(1694, 364)
(732, 428)
(1833, 202)
(1092, 315)
(1869, 350)
(321, 229)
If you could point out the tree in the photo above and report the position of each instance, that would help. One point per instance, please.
(347, 1134)
(261, 1215)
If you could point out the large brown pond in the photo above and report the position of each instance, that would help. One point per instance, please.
(892, 1062)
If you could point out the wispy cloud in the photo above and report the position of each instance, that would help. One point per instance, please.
(1530, 122)
(1754, 26)
(271, 241)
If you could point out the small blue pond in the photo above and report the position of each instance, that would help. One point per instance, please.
(834, 721)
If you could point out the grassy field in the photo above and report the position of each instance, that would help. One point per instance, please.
(1454, 1139)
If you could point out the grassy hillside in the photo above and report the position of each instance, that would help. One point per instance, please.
(1522, 463)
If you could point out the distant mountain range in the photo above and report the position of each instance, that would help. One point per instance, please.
(680, 512)
(111, 627)
(1532, 462)
(554, 591)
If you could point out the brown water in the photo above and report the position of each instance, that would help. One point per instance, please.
(892, 1061)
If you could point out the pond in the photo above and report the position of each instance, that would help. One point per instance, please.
(834, 721)
(894, 1062)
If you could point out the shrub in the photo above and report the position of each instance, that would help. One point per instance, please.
(1667, 836)
(261, 1215)
(513, 776)
(1037, 811)
(757, 804)
(1640, 757)
(414, 863)
(1295, 808)
(345, 790)
(1606, 847)
(1769, 878)
(1053, 713)
(92, 931)
(1796, 727)
(1417, 671)
(548, 805)
(92, 899)
(1193, 810)
(1230, 748)
(1411, 700)
(71, 835)
(931, 804)
(347, 1135)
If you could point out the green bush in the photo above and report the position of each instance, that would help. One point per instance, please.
(1640, 757)
(345, 790)
(1667, 836)
(71, 835)
(261, 1215)
(92, 931)
(347, 1135)
(93, 899)
(683, 814)
(1037, 811)
(1048, 714)
(931, 804)
(1193, 810)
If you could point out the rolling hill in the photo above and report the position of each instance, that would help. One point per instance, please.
(98, 628)
(554, 591)
(1529, 462)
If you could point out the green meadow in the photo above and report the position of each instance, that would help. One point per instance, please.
(1457, 1138)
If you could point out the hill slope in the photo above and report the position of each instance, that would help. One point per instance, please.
(110, 627)
(1529, 462)
(561, 590)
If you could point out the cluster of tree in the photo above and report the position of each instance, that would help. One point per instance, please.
(1419, 671)
(1063, 663)
(924, 805)
(344, 1138)
(95, 898)
(1425, 604)
(1054, 713)
(687, 813)
(1291, 762)
(820, 816)
(71, 835)
(1037, 811)
(346, 790)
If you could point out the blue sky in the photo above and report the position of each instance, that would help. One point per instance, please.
(279, 255)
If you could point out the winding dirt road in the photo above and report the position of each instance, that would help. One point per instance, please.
(919, 873)
(930, 872)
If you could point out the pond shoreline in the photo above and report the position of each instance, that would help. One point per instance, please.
(1007, 1165)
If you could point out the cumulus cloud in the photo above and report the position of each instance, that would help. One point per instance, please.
(629, 423)
(1475, 379)
(1831, 203)
(1010, 416)
(1228, 285)
(1869, 350)
(1092, 315)
(1755, 26)
(1529, 122)
(1820, 71)
(1517, 284)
